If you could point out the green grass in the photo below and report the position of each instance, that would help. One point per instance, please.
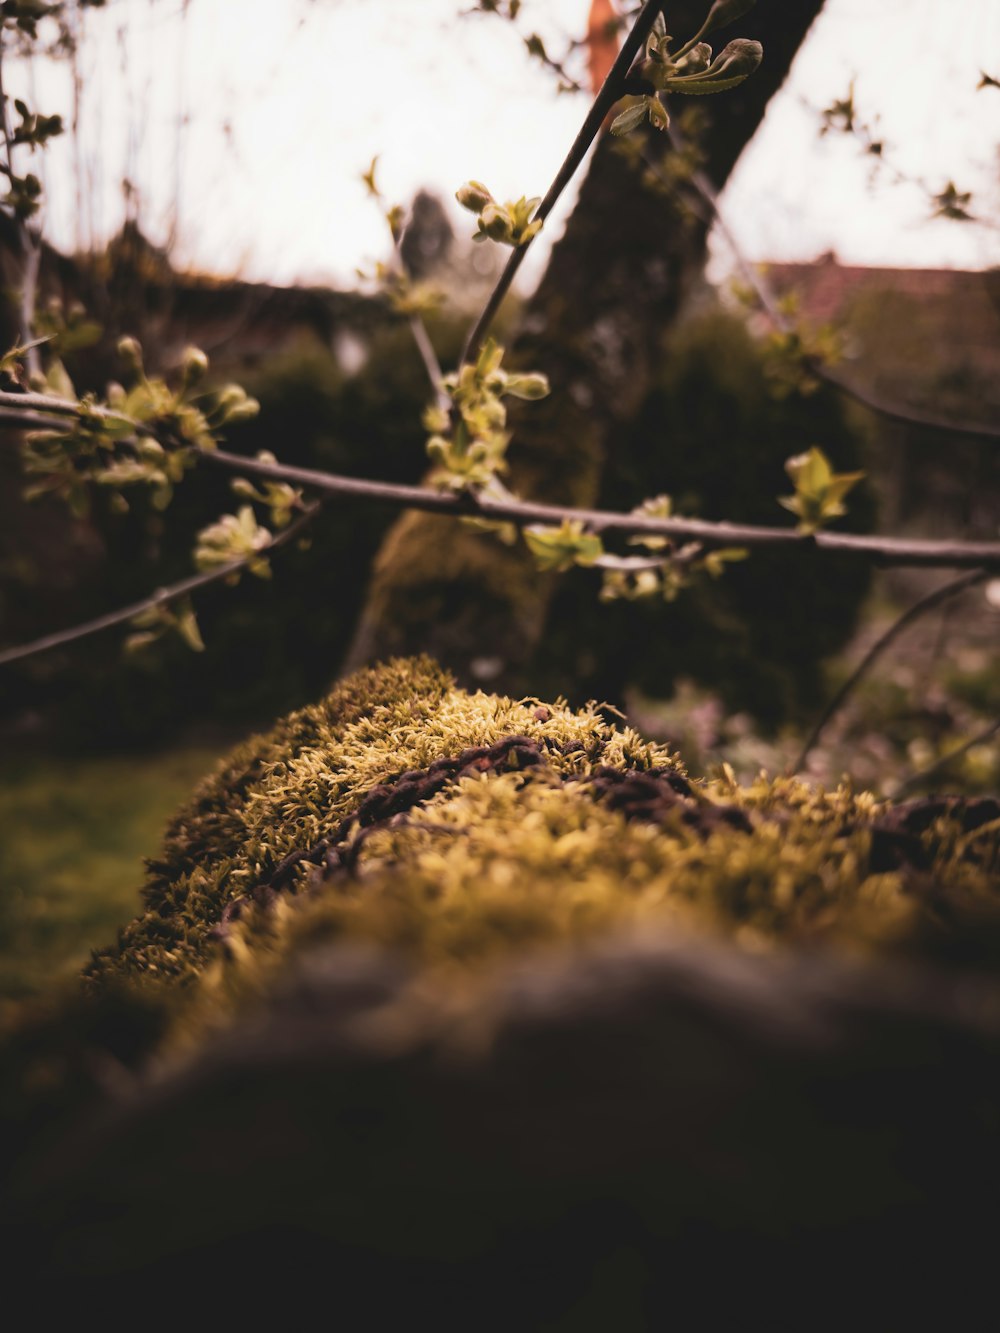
(73, 833)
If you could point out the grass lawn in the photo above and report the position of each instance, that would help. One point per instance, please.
(73, 833)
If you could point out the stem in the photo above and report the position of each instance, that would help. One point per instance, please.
(422, 338)
(769, 304)
(921, 776)
(928, 603)
(43, 402)
(611, 90)
(162, 597)
(25, 420)
(429, 357)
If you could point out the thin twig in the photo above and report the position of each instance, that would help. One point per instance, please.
(31, 248)
(874, 148)
(162, 596)
(918, 778)
(19, 403)
(907, 416)
(918, 609)
(611, 90)
(25, 420)
(422, 339)
(425, 347)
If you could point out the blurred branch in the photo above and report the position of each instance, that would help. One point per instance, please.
(921, 776)
(842, 117)
(162, 596)
(918, 609)
(420, 335)
(612, 89)
(418, 329)
(20, 404)
(31, 247)
(772, 309)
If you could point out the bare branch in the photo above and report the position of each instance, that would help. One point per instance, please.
(918, 778)
(162, 596)
(611, 90)
(880, 550)
(421, 337)
(425, 347)
(928, 603)
(907, 416)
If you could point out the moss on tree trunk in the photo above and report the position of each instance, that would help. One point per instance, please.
(596, 326)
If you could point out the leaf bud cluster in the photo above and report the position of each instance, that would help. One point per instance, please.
(511, 224)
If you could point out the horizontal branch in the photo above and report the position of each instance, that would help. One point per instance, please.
(522, 513)
(879, 550)
(161, 597)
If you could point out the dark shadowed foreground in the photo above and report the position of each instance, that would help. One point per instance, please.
(448, 1007)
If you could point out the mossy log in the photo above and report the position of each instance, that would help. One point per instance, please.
(446, 1002)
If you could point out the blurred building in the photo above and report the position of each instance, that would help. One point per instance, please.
(928, 339)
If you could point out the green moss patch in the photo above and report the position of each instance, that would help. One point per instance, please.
(458, 829)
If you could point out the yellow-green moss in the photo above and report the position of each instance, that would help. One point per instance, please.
(501, 862)
(286, 790)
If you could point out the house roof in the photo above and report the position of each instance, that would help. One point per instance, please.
(933, 334)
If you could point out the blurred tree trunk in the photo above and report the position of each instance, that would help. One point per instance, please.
(595, 326)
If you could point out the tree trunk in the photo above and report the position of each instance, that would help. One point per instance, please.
(595, 325)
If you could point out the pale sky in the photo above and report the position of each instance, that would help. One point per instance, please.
(287, 101)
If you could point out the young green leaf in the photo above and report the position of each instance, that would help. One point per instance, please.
(631, 118)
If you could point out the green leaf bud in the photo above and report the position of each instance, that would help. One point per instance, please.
(130, 351)
(194, 365)
(697, 59)
(658, 115)
(149, 449)
(494, 221)
(474, 196)
(530, 387)
(737, 60)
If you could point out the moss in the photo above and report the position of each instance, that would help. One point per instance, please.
(497, 861)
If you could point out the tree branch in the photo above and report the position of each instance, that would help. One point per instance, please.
(18, 403)
(907, 416)
(162, 596)
(881, 550)
(611, 90)
(522, 513)
(928, 603)
(947, 760)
